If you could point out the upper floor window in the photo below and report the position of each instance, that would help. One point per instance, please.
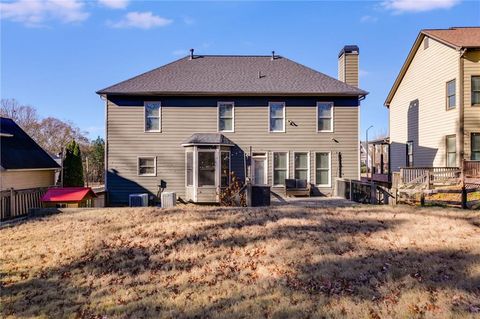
(276, 116)
(451, 151)
(325, 117)
(475, 147)
(451, 88)
(147, 166)
(226, 117)
(152, 116)
(409, 154)
(475, 90)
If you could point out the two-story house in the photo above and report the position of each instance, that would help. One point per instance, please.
(434, 104)
(194, 121)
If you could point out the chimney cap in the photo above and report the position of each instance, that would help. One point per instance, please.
(191, 54)
(349, 49)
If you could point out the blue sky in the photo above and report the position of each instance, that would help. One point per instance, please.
(56, 53)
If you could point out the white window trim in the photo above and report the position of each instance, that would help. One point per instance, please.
(308, 164)
(273, 168)
(447, 151)
(154, 165)
(331, 117)
(269, 118)
(233, 117)
(193, 168)
(329, 170)
(252, 167)
(145, 117)
(215, 151)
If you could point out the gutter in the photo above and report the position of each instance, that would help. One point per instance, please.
(461, 126)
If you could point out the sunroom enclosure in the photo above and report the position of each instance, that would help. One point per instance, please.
(207, 167)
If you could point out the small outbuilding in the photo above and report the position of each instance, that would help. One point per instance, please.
(69, 197)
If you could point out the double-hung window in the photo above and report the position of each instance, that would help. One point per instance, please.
(301, 165)
(280, 168)
(451, 147)
(226, 120)
(409, 154)
(276, 116)
(206, 168)
(475, 90)
(451, 87)
(147, 166)
(322, 169)
(152, 116)
(189, 166)
(475, 147)
(325, 117)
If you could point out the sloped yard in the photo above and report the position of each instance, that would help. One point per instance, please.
(282, 262)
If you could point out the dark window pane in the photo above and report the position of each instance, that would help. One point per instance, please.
(206, 169)
(153, 124)
(322, 177)
(276, 124)
(324, 124)
(475, 146)
(189, 168)
(301, 174)
(225, 124)
(279, 177)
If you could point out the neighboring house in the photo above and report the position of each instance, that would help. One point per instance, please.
(363, 155)
(24, 164)
(434, 103)
(193, 121)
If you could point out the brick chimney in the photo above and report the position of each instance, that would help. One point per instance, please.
(348, 65)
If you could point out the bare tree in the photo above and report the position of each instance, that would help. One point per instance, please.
(50, 133)
(24, 115)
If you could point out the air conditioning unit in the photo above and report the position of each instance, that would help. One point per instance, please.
(138, 200)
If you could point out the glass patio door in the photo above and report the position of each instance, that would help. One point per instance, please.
(259, 170)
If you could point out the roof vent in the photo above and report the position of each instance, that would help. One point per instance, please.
(191, 54)
(273, 55)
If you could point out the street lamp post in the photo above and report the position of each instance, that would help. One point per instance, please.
(366, 133)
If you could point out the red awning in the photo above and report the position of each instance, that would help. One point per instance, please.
(67, 194)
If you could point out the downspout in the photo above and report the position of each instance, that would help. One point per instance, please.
(105, 172)
(461, 126)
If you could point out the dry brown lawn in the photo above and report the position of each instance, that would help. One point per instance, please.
(281, 262)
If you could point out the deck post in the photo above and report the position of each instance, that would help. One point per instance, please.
(422, 199)
(12, 203)
(373, 193)
(429, 178)
(464, 197)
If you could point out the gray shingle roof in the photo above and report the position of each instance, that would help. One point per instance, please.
(207, 139)
(212, 74)
(20, 151)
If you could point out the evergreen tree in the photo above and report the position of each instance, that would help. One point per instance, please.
(72, 166)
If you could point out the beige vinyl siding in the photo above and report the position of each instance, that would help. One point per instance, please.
(341, 68)
(425, 80)
(127, 141)
(26, 179)
(472, 113)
